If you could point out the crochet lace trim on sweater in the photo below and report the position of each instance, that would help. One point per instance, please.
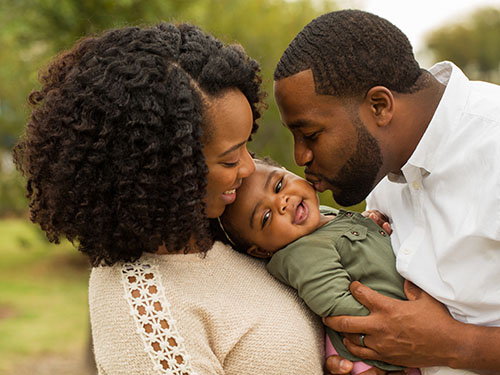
(155, 324)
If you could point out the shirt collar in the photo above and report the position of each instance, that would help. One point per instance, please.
(445, 117)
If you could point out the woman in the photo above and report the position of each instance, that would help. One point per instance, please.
(136, 139)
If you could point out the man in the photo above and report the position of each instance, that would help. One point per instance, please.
(365, 116)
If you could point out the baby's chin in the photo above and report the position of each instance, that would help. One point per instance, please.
(314, 218)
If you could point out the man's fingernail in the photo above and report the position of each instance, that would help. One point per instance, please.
(344, 365)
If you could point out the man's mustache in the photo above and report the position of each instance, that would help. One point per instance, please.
(310, 173)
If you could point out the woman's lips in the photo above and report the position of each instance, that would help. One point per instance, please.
(301, 213)
(229, 196)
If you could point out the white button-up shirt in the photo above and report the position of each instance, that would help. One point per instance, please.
(445, 207)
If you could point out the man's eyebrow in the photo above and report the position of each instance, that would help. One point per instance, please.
(231, 149)
(297, 124)
(259, 203)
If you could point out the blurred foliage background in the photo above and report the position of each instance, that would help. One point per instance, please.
(43, 287)
(33, 31)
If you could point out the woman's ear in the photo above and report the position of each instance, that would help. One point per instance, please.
(257, 252)
(381, 104)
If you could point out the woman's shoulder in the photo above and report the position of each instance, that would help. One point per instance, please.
(203, 298)
(219, 255)
(105, 275)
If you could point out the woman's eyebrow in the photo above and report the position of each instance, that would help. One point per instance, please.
(235, 147)
(259, 203)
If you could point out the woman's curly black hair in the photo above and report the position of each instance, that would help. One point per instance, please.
(112, 151)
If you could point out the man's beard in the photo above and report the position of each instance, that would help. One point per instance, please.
(358, 176)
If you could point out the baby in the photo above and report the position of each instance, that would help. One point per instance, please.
(317, 250)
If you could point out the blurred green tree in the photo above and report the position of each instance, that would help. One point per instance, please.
(35, 30)
(472, 44)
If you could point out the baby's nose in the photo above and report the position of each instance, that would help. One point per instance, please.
(284, 203)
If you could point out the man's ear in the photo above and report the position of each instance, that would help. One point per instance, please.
(380, 101)
(257, 252)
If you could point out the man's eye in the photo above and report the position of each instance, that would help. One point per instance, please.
(266, 217)
(278, 187)
(311, 137)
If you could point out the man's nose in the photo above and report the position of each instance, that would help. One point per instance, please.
(303, 155)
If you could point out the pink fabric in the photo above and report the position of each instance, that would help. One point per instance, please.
(358, 366)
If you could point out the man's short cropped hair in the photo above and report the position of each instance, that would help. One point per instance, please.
(349, 52)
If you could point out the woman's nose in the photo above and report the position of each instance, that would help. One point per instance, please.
(247, 165)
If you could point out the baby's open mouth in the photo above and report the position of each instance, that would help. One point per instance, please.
(300, 213)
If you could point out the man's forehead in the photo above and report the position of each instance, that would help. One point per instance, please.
(300, 82)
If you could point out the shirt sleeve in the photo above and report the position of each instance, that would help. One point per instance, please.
(312, 266)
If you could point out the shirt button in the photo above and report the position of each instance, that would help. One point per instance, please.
(406, 251)
(382, 233)
(355, 233)
(416, 185)
(348, 214)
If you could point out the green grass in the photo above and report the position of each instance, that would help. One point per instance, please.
(43, 295)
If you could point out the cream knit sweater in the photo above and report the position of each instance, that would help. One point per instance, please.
(185, 314)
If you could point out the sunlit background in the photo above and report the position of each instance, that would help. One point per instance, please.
(44, 325)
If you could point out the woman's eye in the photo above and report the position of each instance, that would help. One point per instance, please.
(231, 165)
(266, 217)
(278, 187)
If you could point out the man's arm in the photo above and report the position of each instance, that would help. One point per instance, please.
(419, 332)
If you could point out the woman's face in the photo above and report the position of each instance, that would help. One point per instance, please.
(229, 124)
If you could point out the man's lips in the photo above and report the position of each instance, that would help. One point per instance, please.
(317, 182)
(311, 176)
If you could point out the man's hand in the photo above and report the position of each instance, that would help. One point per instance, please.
(379, 218)
(413, 333)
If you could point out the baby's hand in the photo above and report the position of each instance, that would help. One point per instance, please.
(379, 218)
(336, 365)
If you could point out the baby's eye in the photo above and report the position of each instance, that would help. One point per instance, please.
(266, 217)
(278, 187)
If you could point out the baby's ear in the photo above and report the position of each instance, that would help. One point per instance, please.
(257, 252)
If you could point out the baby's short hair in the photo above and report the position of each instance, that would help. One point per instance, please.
(267, 160)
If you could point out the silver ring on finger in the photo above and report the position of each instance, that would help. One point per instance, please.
(362, 340)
